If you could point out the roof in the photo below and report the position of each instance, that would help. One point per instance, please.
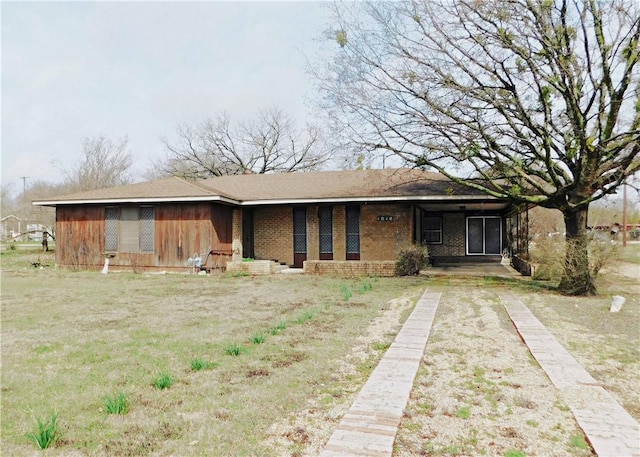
(402, 184)
(161, 190)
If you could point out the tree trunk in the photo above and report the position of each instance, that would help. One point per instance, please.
(577, 278)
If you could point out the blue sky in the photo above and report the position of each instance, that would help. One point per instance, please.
(72, 70)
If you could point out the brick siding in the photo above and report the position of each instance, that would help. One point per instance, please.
(381, 240)
(273, 234)
(350, 268)
(453, 237)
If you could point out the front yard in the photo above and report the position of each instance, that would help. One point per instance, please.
(224, 365)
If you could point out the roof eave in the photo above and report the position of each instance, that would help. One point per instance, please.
(143, 200)
(407, 198)
(271, 202)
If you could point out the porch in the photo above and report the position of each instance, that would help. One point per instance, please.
(498, 269)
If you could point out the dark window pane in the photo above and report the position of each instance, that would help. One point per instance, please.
(147, 229)
(111, 228)
(353, 229)
(475, 235)
(432, 229)
(299, 230)
(492, 236)
(326, 229)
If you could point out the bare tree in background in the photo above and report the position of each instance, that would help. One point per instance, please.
(271, 143)
(104, 163)
(539, 97)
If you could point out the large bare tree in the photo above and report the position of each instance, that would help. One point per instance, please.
(269, 143)
(104, 163)
(539, 97)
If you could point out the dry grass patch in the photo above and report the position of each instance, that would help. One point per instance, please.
(70, 338)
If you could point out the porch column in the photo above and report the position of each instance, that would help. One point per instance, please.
(339, 233)
(236, 234)
(313, 233)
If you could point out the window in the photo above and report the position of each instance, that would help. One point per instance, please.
(325, 215)
(432, 230)
(129, 229)
(300, 230)
(484, 235)
(353, 232)
(147, 228)
(111, 228)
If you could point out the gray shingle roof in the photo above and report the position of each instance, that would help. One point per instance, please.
(386, 184)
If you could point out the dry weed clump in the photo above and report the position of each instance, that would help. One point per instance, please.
(548, 256)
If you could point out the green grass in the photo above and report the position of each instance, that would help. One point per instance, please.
(162, 381)
(116, 404)
(46, 432)
(198, 364)
(578, 442)
(234, 349)
(514, 453)
(346, 292)
(464, 412)
(279, 328)
(258, 338)
(304, 317)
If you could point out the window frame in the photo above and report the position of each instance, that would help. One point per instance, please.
(352, 211)
(439, 231)
(129, 229)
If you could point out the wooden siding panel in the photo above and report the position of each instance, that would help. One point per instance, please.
(181, 231)
(80, 236)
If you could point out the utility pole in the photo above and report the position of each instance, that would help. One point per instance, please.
(24, 199)
(24, 185)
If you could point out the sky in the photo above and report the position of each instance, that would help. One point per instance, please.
(75, 70)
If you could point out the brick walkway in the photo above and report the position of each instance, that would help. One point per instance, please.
(369, 427)
(611, 430)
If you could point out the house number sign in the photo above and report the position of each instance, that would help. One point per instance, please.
(385, 218)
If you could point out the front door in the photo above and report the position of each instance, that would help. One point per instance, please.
(484, 235)
(247, 233)
(299, 236)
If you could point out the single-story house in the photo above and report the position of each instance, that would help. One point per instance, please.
(352, 221)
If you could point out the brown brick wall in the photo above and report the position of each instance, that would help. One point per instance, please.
(313, 233)
(381, 240)
(339, 233)
(453, 236)
(350, 268)
(273, 234)
(237, 224)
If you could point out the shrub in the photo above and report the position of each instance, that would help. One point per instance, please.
(46, 433)
(411, 260)
(548, 254)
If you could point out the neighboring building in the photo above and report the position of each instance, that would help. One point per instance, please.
(314, 219)
(10, 227)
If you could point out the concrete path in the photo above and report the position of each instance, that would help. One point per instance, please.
(369, 427)
(611, 430)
